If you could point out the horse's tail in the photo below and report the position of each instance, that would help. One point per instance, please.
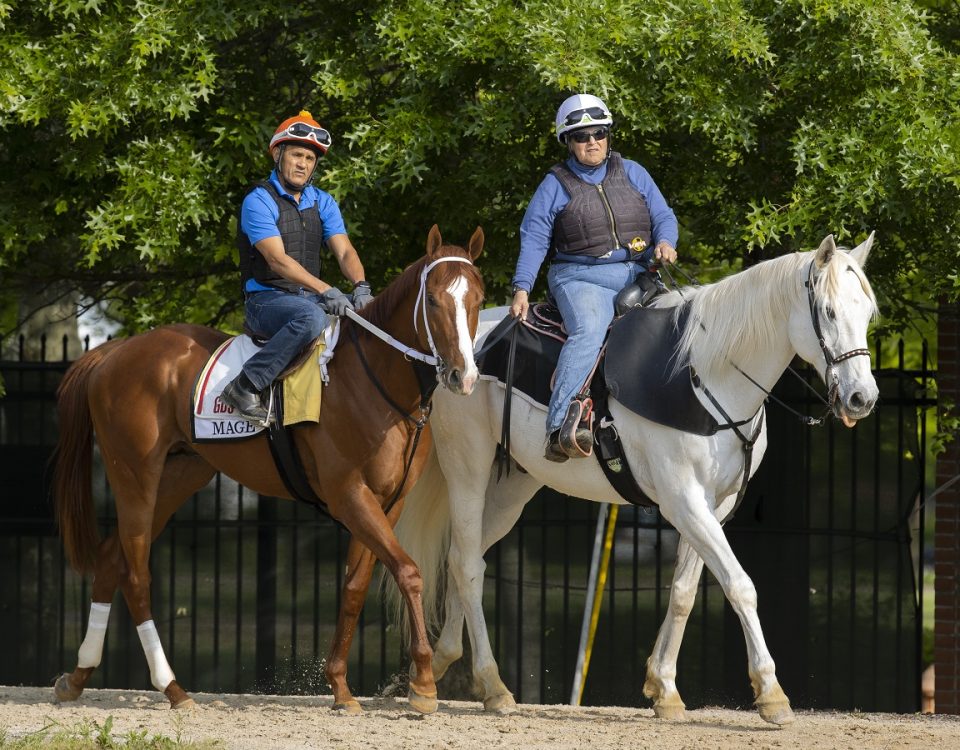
(424, 533)
(73, 458)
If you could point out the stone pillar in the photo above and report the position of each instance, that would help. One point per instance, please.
(947, 529)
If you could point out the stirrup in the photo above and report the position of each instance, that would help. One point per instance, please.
(576, 433)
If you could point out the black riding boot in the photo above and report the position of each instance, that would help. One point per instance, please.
(242, 396)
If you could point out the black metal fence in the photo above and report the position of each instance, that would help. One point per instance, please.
(246, 588)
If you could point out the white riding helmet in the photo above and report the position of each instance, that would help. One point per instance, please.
(580, 111)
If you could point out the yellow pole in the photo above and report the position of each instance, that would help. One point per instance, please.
(598, 595)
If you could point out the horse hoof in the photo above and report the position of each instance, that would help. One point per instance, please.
(423, 704)
(775, 707)
(777, 713)
(350, 707)
(63, 689)
(670, 710)
(178, 697)
(500, 704)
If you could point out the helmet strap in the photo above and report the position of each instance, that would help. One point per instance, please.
(281, 149)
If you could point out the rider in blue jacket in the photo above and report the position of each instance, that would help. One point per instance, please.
(601, 221)
(284, 224)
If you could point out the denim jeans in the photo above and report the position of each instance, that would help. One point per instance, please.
(584, 295)
(290, 321)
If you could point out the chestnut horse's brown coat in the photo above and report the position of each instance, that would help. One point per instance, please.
(135, 395)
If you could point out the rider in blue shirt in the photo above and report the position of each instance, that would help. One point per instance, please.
(601, 221)
(284, 224)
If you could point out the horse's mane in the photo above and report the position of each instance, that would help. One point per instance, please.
(739, 313)
(381, 309)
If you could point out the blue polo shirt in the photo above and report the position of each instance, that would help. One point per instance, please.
(259, 215)
(550, 198)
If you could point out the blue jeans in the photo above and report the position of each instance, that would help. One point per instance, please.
(290, 321)
(584, 295)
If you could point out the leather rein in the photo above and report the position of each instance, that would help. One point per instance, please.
(420, 361)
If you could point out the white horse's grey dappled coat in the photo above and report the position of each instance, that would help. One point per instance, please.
(758, 320)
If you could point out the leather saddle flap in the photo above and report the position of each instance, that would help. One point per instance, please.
(536, 359)
(639, 370)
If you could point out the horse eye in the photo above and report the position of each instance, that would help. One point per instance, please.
(431, 300)
(830, 312)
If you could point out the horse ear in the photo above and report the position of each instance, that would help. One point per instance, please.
(434, 241)
(861, 251)
(825, 252)
(476, 244)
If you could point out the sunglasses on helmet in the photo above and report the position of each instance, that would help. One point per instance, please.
(308, 132)
(590, 113)
(584, 136)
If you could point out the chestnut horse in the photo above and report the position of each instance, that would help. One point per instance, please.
(136, 395)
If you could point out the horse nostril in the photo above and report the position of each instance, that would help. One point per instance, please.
(455, 378)
(856, 400)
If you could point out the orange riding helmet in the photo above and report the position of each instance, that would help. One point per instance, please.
(304, 131)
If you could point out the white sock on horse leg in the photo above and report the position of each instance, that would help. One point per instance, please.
(91, 650)
(161, 674)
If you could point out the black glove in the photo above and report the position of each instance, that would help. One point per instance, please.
(362, 296)
(335, 302)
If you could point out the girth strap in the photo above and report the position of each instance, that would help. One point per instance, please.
(285, 456)
(609, 449)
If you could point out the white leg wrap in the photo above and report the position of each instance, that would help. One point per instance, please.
(160, 673)
(91, 650)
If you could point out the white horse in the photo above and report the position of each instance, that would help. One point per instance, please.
(754, 321)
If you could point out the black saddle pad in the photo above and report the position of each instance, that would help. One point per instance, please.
(638, 371)
(536, 359)
(636, 368)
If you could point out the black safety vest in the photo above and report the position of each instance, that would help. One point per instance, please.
(599, 218)
(302, 235)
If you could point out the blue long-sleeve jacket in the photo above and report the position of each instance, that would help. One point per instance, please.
(550, 198)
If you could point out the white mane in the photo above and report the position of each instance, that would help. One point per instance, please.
(743, 312)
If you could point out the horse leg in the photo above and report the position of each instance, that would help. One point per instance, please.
(660, 685)
(108, 568)
(449, 645)
(360, 563)
(477, 523)
(364, 517)
(138, 525)
(692, 518)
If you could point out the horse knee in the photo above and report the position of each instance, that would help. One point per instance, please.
(409, 580)
(682, 598)
(742, 594)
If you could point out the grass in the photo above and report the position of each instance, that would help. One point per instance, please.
(90, 735)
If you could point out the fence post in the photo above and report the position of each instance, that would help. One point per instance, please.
(947, 531)
(266, 637)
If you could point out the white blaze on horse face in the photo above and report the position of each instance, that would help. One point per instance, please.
(458, 291)
(858, 390)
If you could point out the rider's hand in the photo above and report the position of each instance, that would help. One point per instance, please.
(520, 304)
(664, 252)
(335, 302)
(362, 296)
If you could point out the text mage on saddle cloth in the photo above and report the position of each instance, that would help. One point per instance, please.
(213, 420)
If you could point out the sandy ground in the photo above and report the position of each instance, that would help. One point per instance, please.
(256, 721)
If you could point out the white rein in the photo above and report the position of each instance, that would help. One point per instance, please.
(421, 303)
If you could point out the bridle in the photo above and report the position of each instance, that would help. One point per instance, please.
(830, 376)
(420, 305)
(410, 353)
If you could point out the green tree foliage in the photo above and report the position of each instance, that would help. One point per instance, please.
(130, 130)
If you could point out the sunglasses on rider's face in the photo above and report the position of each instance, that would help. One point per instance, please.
(584, 136)
(590, 113)
(302, 130)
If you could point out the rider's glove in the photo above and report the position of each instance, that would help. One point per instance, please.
(335, 302)
(362, 296)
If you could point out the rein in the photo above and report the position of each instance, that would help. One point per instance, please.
(830, 377)
(426, 387)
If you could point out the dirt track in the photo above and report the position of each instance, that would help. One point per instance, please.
(254, 721)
